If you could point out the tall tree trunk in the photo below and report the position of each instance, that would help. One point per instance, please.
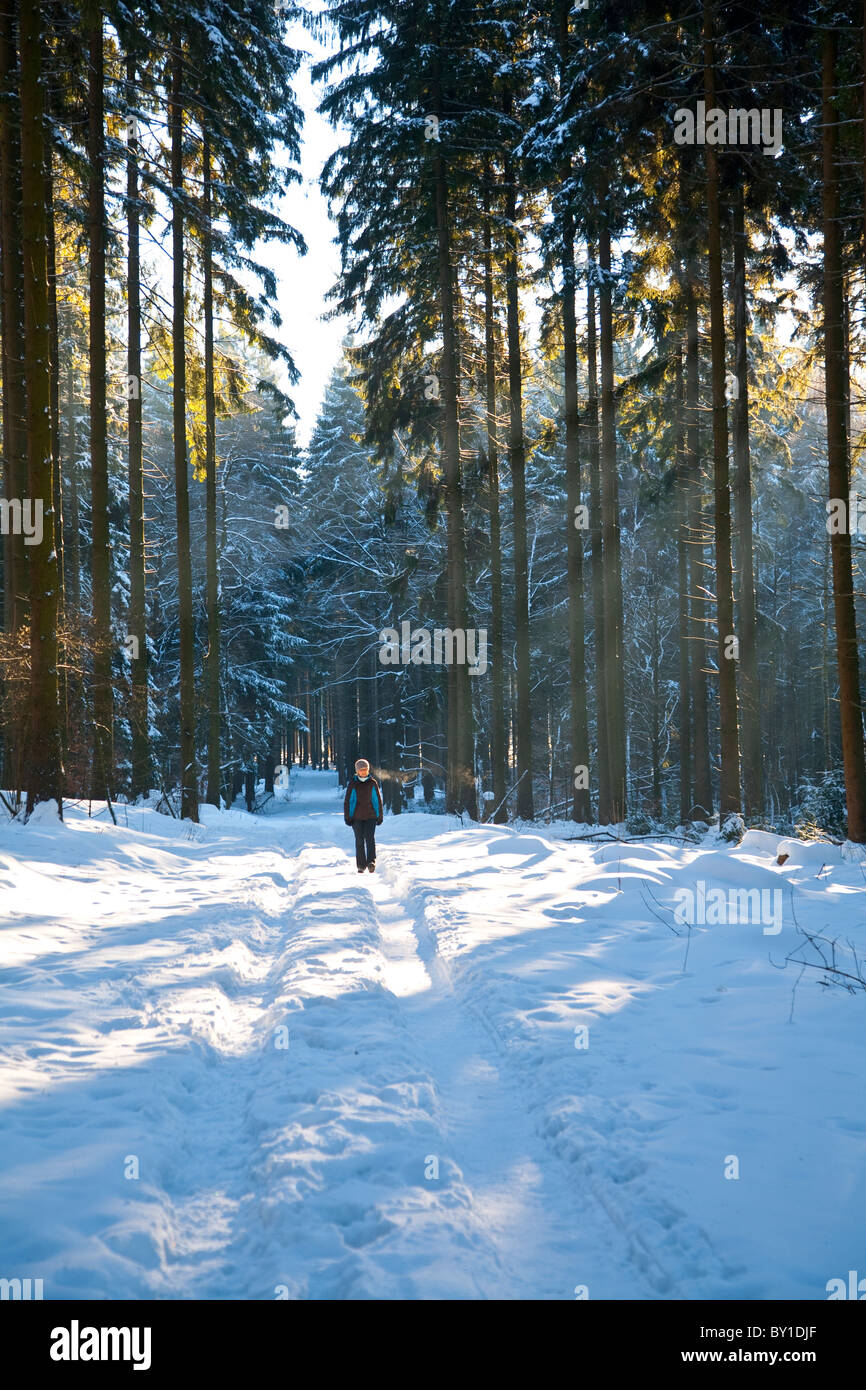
(497, 652)
(15, 576)
(317, 722)
(850, 713)
(613, 636)
(729, 787)
(517, 462)
(374, 745)
(138, 714)
(581, 806)
(73, 548)
(212, 577)
(826, 720)
(78, 770)
(703, 785)
(342, 736)
(656, 708)
(753, 795)
(596, 556)
(397, 765)
(102, 782)
(14, 408)
(461, 793)
(581, 802)
(682, 513)
(44, 768)
(188, 778)
(59, 532)
(368, 722)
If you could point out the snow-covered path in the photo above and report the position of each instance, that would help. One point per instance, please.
(235, 1068)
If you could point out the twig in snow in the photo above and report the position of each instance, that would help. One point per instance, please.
(669, 926)
(825, 948)
(794, 991)
(505, 798)
(688, 947)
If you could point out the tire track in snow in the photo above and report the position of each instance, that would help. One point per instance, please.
(550, 1236)
(643, 1219)
(267, 1179)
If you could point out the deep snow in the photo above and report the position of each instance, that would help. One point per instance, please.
(432, 1014)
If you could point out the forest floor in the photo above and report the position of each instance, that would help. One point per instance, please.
(232, 1067)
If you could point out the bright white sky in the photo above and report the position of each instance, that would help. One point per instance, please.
(305, 280)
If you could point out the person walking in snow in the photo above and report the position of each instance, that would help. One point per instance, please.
(363, 810)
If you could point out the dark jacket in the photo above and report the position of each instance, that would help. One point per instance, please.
(363, 801)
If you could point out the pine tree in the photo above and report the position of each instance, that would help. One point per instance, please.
(44, 773)
(102, 691)
(188, 769)
(835, 381)
(139, 714)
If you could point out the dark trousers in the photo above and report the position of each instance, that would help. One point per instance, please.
(365, 842)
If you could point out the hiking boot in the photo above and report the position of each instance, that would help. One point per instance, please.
(371, 867)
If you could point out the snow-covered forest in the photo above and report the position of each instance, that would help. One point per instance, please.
(573, 554)
(585, 413)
